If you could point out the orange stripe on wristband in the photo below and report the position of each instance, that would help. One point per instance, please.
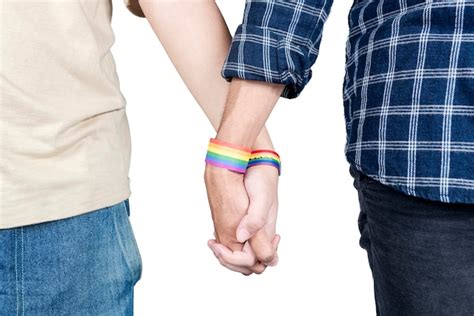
(228, 156)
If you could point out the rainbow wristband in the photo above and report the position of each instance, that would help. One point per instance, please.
(265, 157)
(228, 156)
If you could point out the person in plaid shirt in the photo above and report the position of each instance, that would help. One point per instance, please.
(409, 111)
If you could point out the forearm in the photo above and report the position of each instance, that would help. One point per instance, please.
(248, 106)
(278, 41)
(196, 38)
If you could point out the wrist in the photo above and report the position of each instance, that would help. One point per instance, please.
(248, 105)
(225, 155)
(263, 141)
(247, 139)
(212, 172)
(233, 135)
(265, 157)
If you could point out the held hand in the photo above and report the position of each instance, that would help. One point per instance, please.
(256, 221)
(259, 224)
(229, 202)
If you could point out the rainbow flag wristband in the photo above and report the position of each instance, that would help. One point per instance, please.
(265, 157)
(228, 156)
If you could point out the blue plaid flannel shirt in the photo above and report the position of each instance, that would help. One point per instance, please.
(408, 91)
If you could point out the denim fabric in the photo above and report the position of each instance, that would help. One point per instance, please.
(408, 90)
(421, 252)
(82, 265)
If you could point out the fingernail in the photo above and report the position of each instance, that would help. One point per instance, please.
(243, 235)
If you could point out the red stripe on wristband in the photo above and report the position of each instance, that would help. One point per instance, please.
(265, 151)
(265, 157)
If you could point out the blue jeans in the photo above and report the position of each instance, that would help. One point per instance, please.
(83, 265)
(421, 252)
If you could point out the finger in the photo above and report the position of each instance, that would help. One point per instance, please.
(245, 258)
(251, 223)
(232, 246)
(211, 242)
(263, 248)
(276, 241)
(258, 268)
(243, 270)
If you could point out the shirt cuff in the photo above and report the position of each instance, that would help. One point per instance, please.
(257, 53)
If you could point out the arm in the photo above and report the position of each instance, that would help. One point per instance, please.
(248, 106)
(271, 56)
(196, 38)
(273, 49)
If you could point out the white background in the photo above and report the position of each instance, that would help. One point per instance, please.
(322, 269)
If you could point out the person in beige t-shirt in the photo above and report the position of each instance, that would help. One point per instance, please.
(65, 235)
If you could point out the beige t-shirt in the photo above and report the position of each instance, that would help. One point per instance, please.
(64, 136)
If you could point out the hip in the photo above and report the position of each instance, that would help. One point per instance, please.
(85, 264)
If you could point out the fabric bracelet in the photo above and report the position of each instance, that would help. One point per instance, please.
(228, 156)
(265, 157)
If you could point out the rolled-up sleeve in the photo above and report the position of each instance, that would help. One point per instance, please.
(278, 41)
(134, 7)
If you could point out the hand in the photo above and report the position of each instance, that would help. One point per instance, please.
(229, 202)
(259, 224)
(232, 211)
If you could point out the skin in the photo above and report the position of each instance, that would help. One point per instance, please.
(243, 208)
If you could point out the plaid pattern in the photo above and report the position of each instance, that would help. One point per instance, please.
(408, 90)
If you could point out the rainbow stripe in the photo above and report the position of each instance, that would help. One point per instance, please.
(265, 157)
(228, 156)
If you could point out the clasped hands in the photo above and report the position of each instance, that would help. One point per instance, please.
(244, 211)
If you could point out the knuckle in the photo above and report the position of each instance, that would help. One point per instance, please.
(265, 256)
(257, 221)
(259, 270)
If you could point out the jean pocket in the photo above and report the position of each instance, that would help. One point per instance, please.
(369, 180)
(128, 243)
(127, 206)
(356, 175)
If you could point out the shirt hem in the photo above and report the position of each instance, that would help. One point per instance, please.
(83, 208)
(431, 197)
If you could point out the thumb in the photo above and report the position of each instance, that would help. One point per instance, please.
(251, 223)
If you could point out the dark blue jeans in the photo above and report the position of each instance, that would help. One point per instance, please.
(82, 265)
(421, 252)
